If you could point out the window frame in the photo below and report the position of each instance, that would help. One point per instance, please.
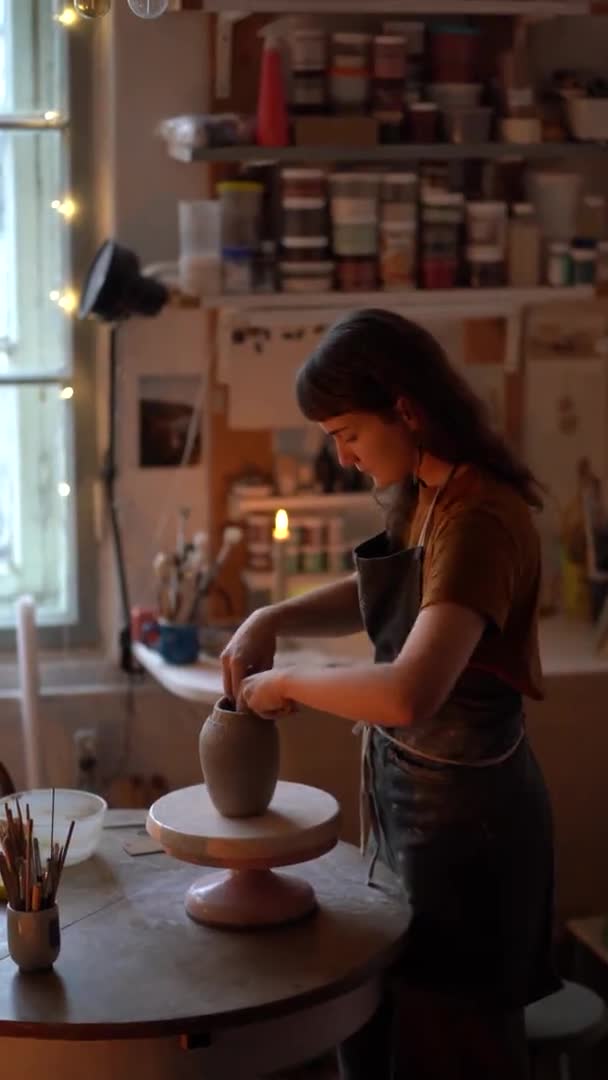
(83, 632)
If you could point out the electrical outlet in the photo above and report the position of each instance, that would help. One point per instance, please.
(86, 760)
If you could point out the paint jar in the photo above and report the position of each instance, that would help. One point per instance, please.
(486, 266)
(302, 249)
(398, 256)
(352, 50)
(303, 183)
(349, 74)
(307, 277)
(304, 217)
(559, 265)
(308, 48)
(583, 265)
(601, 266)
(389, 58)
(398, 202)
(357, 274)
(360, 238)
(454, 52)
(486, 223)
(524, 247)
(237, 270)
(439, 271)
(241, 209)
(423, 117)
(360, 186)
(308, 94)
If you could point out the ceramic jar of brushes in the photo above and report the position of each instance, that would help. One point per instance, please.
(239, 754)
(33, 938)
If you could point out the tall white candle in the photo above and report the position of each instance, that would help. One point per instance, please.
(27, 657)
(280, 536)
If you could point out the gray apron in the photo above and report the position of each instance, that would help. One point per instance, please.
(459, 812)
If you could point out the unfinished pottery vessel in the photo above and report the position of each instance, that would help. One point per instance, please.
(239, 753)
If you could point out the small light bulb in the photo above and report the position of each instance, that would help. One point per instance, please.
(63, 489)
(51, 115)
(148, 9)
(92, 9)
(54, 296)
(66, 207)
(66, 393)
(67, 300)
(67, 17)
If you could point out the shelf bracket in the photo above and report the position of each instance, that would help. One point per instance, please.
(225, 23)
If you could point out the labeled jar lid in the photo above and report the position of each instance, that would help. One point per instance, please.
(351, 39)
(304, 203)
(324, 267)
(236, 186)
(305, 241)
(302, 174)
(484, 253)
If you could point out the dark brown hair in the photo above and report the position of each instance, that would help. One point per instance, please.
(371, 358)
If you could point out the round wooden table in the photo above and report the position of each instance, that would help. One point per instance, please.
(140, 987)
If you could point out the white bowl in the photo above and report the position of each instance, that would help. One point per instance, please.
(85, 809)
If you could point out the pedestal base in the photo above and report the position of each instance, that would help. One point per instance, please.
(249, 898)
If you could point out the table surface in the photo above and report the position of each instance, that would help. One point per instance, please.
(566, 645)
(133, 964)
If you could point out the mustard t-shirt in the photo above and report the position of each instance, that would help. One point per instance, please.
(482, 551)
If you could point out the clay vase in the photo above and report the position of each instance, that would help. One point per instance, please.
(239, 753)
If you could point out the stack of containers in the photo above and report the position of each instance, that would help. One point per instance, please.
(388, 86)
(354, 214)
(398, 230)
(308, 91)
(442, 219)
(349, 74)
(486, 243)
(305, 263)
(241, 221)
(455, 89)
(413, 34)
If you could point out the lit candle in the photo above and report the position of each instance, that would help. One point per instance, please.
(280, 536)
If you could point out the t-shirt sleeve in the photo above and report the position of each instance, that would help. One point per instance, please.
(472, 561)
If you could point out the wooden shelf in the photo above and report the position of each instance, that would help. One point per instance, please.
(347, 500)
(461, 303)
(411, 152)
(532, 8)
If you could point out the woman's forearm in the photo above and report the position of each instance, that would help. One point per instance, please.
(330, 611)
(368, 693)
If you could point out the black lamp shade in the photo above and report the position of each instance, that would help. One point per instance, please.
(115, 288)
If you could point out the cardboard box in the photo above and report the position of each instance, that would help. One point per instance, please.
(335, 131)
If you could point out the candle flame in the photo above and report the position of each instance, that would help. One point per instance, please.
(281, 526)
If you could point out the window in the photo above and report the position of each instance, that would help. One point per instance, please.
(38, 522)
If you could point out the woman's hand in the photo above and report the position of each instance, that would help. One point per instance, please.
(250, 650)
(264, 694)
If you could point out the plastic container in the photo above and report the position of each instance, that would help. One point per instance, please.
(559, 264)
(272, 125)
(486, 266)
(583, 265)
(455, 95)
(307, 276)
(524, 247)
(467, 124)
(592, 218)
(357, 274)
(398, 196)
(389, 57)
(199, 225)
(308, 50)
(355, 239)
(439, 271)
(423, 119)
(237, 269)
(301, 249)
(588, 118)
(303, 183)
(556, 196)
(304, 217)
(454, 52)
(86, 809)
(486, 223)
(397, 262)
(308, 92)
(601, 266)
(354, 185)
(241, 209)
(520, 129)
(349, 89)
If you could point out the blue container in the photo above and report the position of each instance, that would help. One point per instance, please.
(178, 644)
